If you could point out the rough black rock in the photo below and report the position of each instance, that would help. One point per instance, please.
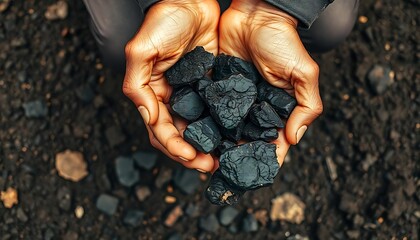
(187, 103)
(225, 145)
(126, 173)
(107, 203)
(230, 100)
(279, 99)
(145, 159)
(226, 66)
(201, 85)
(252, 132)
(190, 68)
(265, 116)
(234, 134)
(249, 166)
(209, 223)
(187, 180)
(133, 217)
(35, 109)
(227, 215)
(220, 192)
(203, 135)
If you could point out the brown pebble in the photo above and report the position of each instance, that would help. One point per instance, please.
(9, 197)
(173, 216)
(79, 211)
(170, 199)
(71, 165)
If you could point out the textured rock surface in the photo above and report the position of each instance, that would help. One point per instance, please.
(264, 115)
(226, 66)
(252, 132)
(279, 99)
(220, 192)
(203, 135)
(186, 103)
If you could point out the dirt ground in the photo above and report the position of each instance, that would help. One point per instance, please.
(372, 139)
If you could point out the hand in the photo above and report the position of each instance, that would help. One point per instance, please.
(170, 29)
(257, 31)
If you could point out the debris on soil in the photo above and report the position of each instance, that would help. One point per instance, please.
(114, 135)
(4, 4)
(249, 223)
(332, 168)
(79, 211)
(187, 180)
(164, 176)
(64, 198)
(264, 115)
(279, 99)
(58, 10)
(226, 65)
(71, 165)
(21, 215)
(380, 77)
(145, 159)
(107, 204)
(219, 192)
(126, 173)
(35, 109)
(287, 207)
(229, 100)
(133, 217)
(190, 68)
(173, 216)
(186, 103)
(170, 199)
(142, 193)
(252, 132)
(209, 223)
(261, 216)
(227, 215)
(203, 134)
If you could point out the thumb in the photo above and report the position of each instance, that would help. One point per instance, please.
(136, 81)
(309, 103)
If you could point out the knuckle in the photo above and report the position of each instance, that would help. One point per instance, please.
(317, 109)
(311, 70)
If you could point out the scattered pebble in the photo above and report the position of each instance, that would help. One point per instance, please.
(145, 160)
(21, 215)
(107, 204)
(64, 198)
(297, 237)
(9, 197)
(192, 210)
(79, 211)
(261, 216)
(249, 224)
(35, 109)
(4, 4)
(227, 215)
(363, 19)
(85, 93)
(173, 216)
(369, 161)
(287, 207)
(164, 176)
(187, 180)
(71, 165)
(115, 136)
(133, 218)
(170, 199)
(209, 223)
(332, 168)
(126, 173)
(379, 78)
(174, 236)
(143, 193)
(58, 10)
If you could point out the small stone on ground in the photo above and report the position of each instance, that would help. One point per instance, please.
(143, 193)
(126, 173)
(209, 223)
(71, 165)
(145, 160)
(35, 109)
(58, 10)
(187, 180)
(287, 207)
(227, 215)
(173, 216)
(133, 218)
(107, 204)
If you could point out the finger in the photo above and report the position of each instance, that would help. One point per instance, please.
(309, 103)
(140, 56)
(170, 138)
(282, 146)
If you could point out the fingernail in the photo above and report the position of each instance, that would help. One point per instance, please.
(300, 133)
(201, 170)
(144, 114)
(183, 159)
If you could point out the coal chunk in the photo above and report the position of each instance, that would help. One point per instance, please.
(234, 134)
(225, 145)
(186, 103)
(190, 68)
(35, 109)
(201, 85)
(126, 173)
(187, 180)
(203, 135)
(145, 160)
(229, 100)
(252, 132)
(279, 99)
(250, 166)
(209, 223)
(107, 204)
(249, 223)
(226, 66)
(133, 217)
(227, 215)
(220, 192)
(264, 115)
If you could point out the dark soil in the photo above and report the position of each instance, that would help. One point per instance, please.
(372, 138)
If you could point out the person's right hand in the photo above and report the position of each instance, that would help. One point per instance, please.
(170, 29)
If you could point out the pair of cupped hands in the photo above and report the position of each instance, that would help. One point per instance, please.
(249, 29)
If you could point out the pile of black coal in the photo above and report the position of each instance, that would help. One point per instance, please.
(235, 104)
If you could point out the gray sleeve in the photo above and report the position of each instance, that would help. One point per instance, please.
(145, 4)
(306, 11)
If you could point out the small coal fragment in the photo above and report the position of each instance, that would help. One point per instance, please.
(226, 66)
(145, 160)
(379, 78)
(126, 173)
(249, 166)
(230, 100)
(249, 223)
(201, 85)
(203, 135)
(187, 180)
(190, 68)
(227, 215)
(107, 204)
(220, 192)
(234, 134)
(252, 132)
(209, 223)
(279, 99)
(35, 109)
(225, 145)
(264, 115)
(133, 217)
(287, 207)
(186, 103)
